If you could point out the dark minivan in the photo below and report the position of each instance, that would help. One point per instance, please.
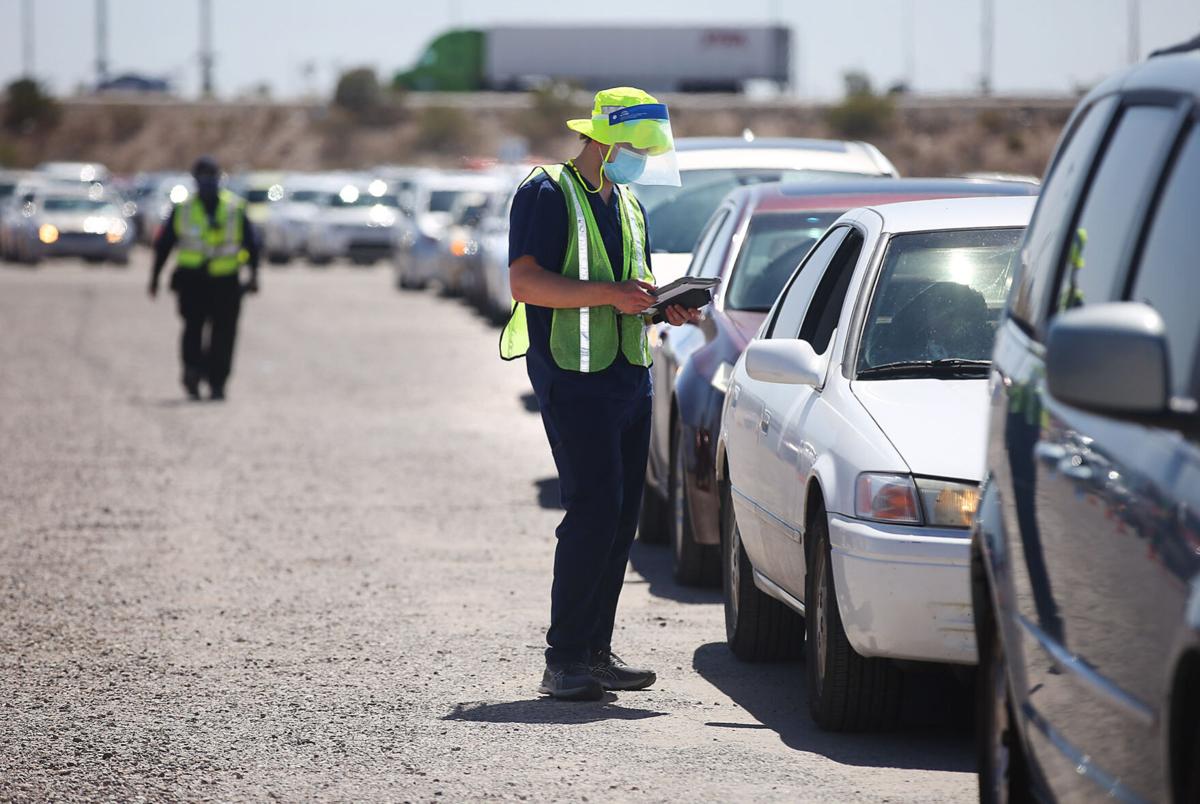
(1086, 550)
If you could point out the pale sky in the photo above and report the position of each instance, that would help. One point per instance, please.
(1042, 46)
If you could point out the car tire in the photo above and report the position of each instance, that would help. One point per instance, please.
(695, 564)
(757, 626)
(278, 258)
(1003, 772)
(652, 518)
(846, 691)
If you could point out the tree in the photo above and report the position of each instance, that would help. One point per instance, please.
(29, 107)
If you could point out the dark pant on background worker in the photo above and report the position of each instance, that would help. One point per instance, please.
(212, 303)
(600, 447)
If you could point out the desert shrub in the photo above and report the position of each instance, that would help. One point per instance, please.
(29, 107)
(444, 129)
(550, 108)
(126, 121)
(862, 114)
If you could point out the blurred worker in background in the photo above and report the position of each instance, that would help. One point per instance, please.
(579, 260)
(215, 241)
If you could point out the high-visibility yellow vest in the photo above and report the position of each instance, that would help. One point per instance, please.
(217, 243)
(587, 339)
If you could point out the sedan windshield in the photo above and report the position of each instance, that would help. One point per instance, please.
(775, 244)
(937, 303)
(675, 215)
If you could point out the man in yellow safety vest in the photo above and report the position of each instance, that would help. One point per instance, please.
(215, 242)
(581, 278)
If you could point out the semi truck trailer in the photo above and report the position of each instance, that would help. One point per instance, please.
(657, 59)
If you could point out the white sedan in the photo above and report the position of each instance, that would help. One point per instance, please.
(851, 449)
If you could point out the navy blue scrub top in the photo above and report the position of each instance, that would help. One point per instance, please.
(538, 228)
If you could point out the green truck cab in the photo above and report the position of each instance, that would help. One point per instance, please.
(453, 62)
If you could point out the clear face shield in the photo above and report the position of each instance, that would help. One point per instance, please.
(641, 146)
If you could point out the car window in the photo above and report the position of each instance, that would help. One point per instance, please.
(718, 250)
(705, 241)
(775, 244)
(1167, 278)
(675, 215)
(790, 311)
(938, 297)
(823, 312)
(1092, 268)
(1043, 241)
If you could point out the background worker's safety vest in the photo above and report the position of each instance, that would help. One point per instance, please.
(586, 339)
(217, 243)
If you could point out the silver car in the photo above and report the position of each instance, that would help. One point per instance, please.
(358, 221)
(61, 222)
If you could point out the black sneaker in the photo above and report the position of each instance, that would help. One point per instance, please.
(614, 674)
(571, 682)
(217, 393)
(191, 383)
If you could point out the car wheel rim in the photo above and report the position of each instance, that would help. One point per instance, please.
(822, 626)
(1003, 730)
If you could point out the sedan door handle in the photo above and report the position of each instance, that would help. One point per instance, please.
(764, 423)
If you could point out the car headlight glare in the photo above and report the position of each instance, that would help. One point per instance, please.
(948, 504)
(48, 233)
(887, 498)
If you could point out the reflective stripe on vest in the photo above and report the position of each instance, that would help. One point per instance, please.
(217, 243)
(587, 339)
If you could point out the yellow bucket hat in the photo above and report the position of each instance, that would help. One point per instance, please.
(627, 114)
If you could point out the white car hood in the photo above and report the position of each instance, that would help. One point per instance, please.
(938, 425)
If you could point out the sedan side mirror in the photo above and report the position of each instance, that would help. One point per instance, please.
(1109, 358)
(788, 361)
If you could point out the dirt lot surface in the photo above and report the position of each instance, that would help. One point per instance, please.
(335, 584)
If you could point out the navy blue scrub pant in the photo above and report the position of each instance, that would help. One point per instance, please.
(600, 447)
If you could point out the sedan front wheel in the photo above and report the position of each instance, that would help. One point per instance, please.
(846, 691)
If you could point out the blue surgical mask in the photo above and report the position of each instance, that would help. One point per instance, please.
(627, 166)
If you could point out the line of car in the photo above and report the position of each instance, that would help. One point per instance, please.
(940, 422)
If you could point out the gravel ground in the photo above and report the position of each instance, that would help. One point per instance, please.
(335, 584)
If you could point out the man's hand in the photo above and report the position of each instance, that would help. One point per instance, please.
(678, 316)
(152, 290)
(632, 296)
(251, 285)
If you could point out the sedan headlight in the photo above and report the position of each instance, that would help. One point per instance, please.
(902, 500)
(887, 498)
(948, 504)
(48, 233)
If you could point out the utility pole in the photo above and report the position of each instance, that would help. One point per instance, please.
(101, 41)
(1135, 31)
(206, 53)
(910, 49)
(27, 37)
(988, 35)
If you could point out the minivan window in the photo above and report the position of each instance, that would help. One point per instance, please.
(775, 244)
(1040, 252)
(1167, 278)
(705, 241)
(1093, 268)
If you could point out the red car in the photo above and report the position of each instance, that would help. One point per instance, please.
(753, 242)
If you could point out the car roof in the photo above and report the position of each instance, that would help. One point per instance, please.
(699, 153)
(945, 214)
(1178, 72)
(846, 194)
